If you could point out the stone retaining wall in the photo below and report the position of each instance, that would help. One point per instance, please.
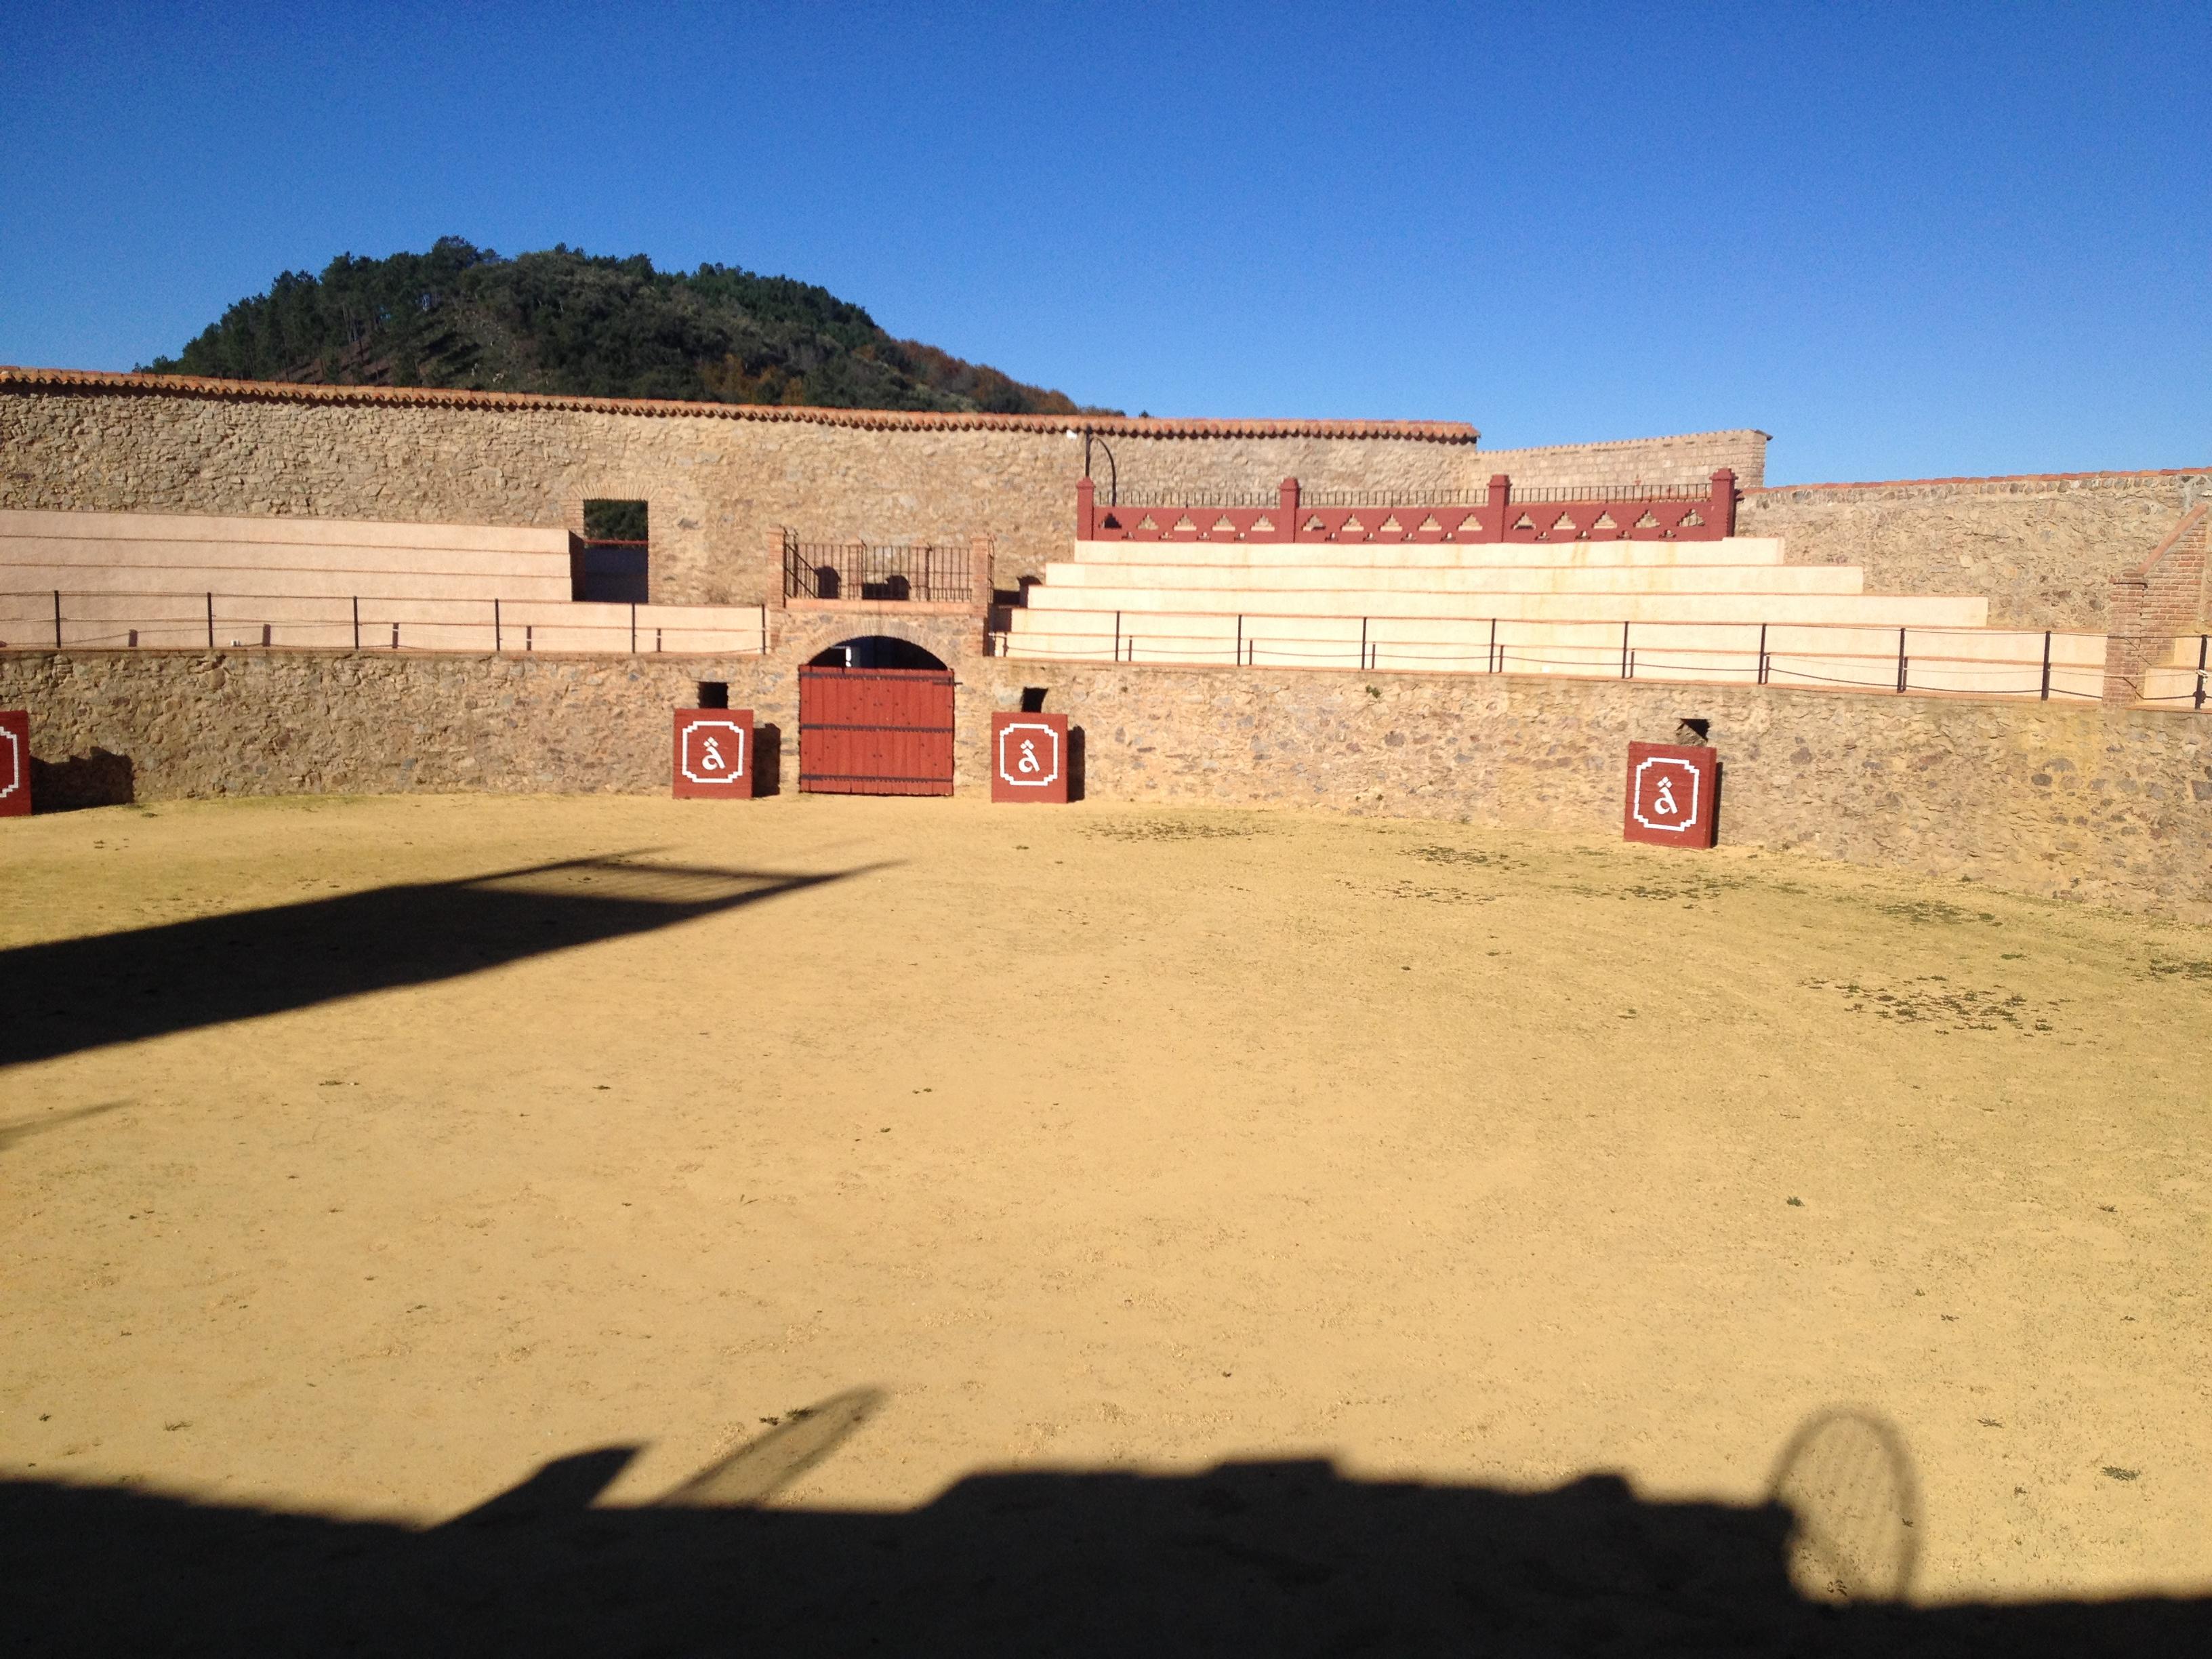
(2080, 801)
(716, 482)
(2043, 550)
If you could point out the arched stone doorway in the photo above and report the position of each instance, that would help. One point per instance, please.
(875, 718)
(876, 651)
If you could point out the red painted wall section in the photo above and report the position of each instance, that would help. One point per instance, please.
(1571, 514)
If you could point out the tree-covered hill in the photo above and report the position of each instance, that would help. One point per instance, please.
(564, 321)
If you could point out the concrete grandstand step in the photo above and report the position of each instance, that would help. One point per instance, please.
(1990, 663)
(283, 530)
(146, 552)
(277, 584)
(1875, 609)
(1471, 579)
(1735, 550)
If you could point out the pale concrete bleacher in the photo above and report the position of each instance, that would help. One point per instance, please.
(2182, 677)
(1729, 609)
(173, 581)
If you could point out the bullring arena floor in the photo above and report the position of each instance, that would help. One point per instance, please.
(361, 1159)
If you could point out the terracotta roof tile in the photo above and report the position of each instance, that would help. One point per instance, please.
(888, 420)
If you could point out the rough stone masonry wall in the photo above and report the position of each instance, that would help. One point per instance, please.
(1689, 459)
(2043, 550)
(2085, 802)
(716, 484)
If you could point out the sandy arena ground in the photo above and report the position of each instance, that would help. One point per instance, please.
(1095, 1139)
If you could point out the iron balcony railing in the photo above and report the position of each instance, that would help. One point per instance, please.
(916, 573)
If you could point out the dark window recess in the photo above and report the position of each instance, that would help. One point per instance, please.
(713, 693)
(612, 566)
(1033, 698)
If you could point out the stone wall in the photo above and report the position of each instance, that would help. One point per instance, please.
(716, 481)
(717, 477)
(2043, 550)
(2080, 801)
(1689, 459)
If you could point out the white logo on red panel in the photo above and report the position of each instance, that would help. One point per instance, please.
(1666, 794)
(11, 773)
(1029, 754)
(713, 751)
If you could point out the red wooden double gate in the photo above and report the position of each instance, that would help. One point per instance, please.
(875, 731)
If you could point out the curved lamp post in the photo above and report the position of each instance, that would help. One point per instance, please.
(1113, 472)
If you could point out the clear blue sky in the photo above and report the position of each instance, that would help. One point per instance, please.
(1907, 240)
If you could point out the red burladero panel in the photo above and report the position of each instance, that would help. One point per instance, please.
(714, 754)
(1029, 758)
(15, 764)
(875, 731)
(1671, 789)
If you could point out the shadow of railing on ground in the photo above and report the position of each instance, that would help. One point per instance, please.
(80, 993)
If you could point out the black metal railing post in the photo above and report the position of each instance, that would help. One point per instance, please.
(494, 627)
(58, 619)
(1901, 669)
(2203, 662)
(1762, 653)
(210, 620)
(356, 622)
(2046, 665)
(633, 631)
(1623, 650)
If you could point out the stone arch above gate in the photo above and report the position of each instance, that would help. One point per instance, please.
(877, 651)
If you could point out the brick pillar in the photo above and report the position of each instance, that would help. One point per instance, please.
(1287, 509)
(2127, 652)
(1501, 500)
(2155, 602)
(1086, 509)
(1723, 512)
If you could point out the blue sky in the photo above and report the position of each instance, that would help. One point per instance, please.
(1907, 240)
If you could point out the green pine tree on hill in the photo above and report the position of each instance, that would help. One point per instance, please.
(566, 321)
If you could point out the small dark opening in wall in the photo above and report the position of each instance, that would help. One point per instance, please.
(613, 564)
(713, 693)
(1033, 698)
(1693, 732)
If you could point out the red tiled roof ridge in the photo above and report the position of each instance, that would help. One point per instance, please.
(193, 386)
(1994, 477)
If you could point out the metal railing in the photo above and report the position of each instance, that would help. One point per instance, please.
(112, 619)
(2046, 665)
(920, 573)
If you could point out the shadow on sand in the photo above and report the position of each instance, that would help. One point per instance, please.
(120, 988)
(1260, 1558)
